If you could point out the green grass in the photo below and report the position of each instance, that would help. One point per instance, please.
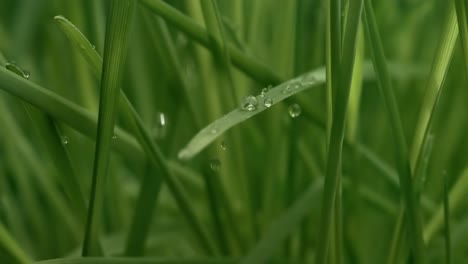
(126, 136)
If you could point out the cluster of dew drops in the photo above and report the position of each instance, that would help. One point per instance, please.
(251, 102)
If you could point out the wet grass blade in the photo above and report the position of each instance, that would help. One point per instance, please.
(115, 260)
(118, 26)
(402, 156)
(151, 183)
(276, 94)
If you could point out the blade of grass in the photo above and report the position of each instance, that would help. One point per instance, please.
(341, 80)
(456, 197)
(148, 195)
(118, 25)
(461, 8)
(282, 227)
(424, 126)
(402, 156)
(10, 251)
(447, 221)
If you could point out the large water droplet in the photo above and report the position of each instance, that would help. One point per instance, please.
(215, 164)
(64, 140)
(268, 102)
(14, 68)
(160, 126)
(250, 103)
(294, 110)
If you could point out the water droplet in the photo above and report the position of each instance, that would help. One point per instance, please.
(94, 47)
(160, 126)
(65, 140)
(288, 89)
(294, 110)
(215, 164)
(223, 145)
(114, 136)
(268, 102)
(14, 68)
(250, 103)
(265, 91)
(214, 131)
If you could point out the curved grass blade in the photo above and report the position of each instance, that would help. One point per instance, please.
(283, 226)
(118, 27)
(75, 36)
(402, 156)
(150, 184)
(276, 95)
(65, 111)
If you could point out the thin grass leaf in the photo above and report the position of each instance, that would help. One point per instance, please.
(342, 82)
(151, 184)
(118, 26)
(283, 226)
(461, 8)
(456, 197)
(428, 111)
(10, 251)
(402, 156)
(436, 78)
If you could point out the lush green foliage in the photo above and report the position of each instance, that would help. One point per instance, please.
(210, 131)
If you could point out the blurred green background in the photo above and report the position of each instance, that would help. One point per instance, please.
(265, 163)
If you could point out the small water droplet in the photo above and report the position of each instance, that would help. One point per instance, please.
(268, 102)
(265, 90)
(65, 140)
(94, 47)
(287, 89)
(215, 164)
(214, 131)
(160, 126)
(114, 136)
(250, 103)
(223, 145)
(294, 110)
(26, 74)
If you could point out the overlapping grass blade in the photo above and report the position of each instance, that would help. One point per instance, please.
(457, 199)
(402, 156)
(118, 26)
(150, 184)
(341, 80)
